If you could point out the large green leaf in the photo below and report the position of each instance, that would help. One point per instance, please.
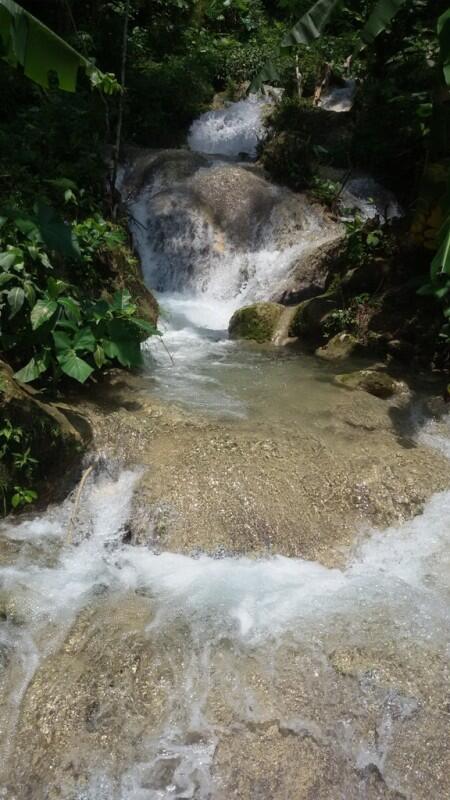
(74, 366)
(268, 74)
(84, 340)
(16, 297)
(56, 234)
(26, 41)
(126, 351)
(380, 19)
(443, 30)
(31, 371)
(311, 25)
(42, 312)
(441, 261)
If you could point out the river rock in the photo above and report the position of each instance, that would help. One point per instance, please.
(377, 383)
(310, 317)
(257, 322)
(341, 346)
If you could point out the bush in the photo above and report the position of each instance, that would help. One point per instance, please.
(50, 329)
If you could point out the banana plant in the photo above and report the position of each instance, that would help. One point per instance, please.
(313, 23)
(27, 42)
(306, 30)
(379, 20)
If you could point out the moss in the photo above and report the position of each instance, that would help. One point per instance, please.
(376, 383)
(341, 346)
(257, 322)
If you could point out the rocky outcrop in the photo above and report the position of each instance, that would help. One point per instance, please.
(257, 322)
(311, 272)
(311, 315)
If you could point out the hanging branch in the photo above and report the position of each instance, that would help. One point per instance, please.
(116, 152)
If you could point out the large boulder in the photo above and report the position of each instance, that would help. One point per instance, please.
(257, 322)
(311, 272)
(311, 315)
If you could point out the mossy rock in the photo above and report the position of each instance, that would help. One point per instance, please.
(311, 315)
(257, 322)
(371, 381)
(341, 346)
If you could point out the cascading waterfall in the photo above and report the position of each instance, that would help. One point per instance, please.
(219, 620)
(167, 664)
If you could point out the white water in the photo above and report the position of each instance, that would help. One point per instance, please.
(395, 586)
(233, 131)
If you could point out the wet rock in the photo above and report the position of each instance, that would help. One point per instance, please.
(257, 322)
(310, 274)
(377, 383)
(341, 346)
(311, 316)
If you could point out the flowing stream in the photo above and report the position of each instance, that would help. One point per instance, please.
(133, 672)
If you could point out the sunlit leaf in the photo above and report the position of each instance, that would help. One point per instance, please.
(74, 366)
(42, 312)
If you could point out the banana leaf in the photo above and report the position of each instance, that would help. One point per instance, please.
(380, 19)
(27, 42)
(311, 25)
(443, 30)
(305, 31)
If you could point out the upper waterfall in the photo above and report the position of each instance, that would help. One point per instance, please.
(232, 131)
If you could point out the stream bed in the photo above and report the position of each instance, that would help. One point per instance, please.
(248, 598)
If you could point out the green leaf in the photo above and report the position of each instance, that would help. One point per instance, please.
(311, 25)
(7, 260)
(71, 307)
(42, 312)
(74, 366)
(5, 277)
(126, 351)
(380, 19)
(16, 297)
(268, 74)
(443, 30)
(441, 261)
(56, 234)
(62, 341)
(122, 300)
(145, 326)
(29, 292)
(30, 371)
(84, 340)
